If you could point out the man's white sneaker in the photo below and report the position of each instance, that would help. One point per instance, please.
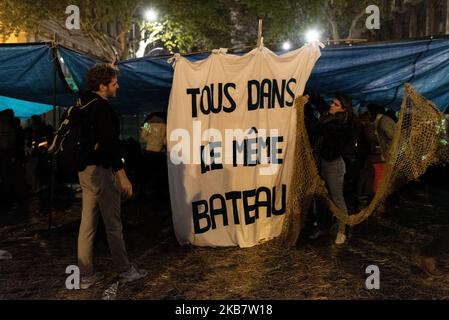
(87, 281)
(341, 238)
(132, 274)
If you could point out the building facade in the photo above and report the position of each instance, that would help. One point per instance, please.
(73, 39)
(413, 19)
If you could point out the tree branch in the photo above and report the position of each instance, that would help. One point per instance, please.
(102, 43)
(329, 11)
(354, 22)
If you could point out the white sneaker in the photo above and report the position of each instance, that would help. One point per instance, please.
(341, 238)
(132, 274)
(89, 280)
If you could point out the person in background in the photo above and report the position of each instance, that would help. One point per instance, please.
(153, 134)
(12, 160)
(332, 137)
(392, 114)
(366, 178)
(384, 129)
(7, 142)
(36, 166)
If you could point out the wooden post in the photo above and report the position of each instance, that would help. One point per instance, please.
(259, 33)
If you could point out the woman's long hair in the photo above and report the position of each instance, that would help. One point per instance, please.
(346, 103)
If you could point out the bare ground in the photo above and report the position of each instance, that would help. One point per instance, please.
(312, 270)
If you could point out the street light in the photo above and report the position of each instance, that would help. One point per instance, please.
(286, 46)
(150, 15)
(313, 36)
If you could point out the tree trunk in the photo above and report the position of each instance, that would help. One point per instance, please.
(335, 30)
(329, 12)
(354, 23)
(124, 45)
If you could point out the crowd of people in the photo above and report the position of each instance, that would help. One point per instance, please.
(25, 164)
(349, 149)
(111, 170)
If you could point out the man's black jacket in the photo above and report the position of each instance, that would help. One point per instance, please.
(102, 127)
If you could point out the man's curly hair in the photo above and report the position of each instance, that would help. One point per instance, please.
(100, 74)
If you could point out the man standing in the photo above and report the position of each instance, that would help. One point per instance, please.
(104, 179)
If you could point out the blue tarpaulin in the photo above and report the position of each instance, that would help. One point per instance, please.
(23, 109)
(378, 72)
(145, 83)
(369, 73)
(27, 72)
(78, 65)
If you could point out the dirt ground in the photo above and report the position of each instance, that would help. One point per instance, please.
(312, 270)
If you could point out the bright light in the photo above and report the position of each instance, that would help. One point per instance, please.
(313, 36)
(150, 15)
(286, 46)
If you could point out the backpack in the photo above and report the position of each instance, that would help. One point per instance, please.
(71, 144)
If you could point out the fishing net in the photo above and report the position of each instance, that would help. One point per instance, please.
(420, 141)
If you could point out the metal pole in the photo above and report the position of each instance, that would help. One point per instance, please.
(134, 39)
(53, 157)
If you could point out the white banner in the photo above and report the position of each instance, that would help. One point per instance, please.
(230, 136)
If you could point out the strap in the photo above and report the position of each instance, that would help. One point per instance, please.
(66, 120)
(82, 107)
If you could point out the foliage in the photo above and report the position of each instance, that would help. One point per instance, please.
(192, 25)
